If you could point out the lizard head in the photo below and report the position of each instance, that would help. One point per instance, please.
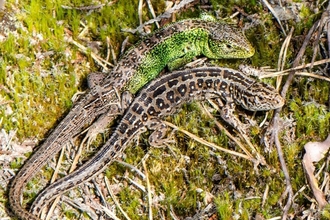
(226, 41)
(261, 97)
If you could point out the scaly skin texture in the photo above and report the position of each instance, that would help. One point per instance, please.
(161, 98)
(174, 45)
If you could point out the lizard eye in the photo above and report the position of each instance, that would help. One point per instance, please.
(228, 46)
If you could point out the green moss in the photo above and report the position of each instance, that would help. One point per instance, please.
(311, 120)
(16, 164)
(224, 206)
(130, 202)
(325, 213)
(70, 214)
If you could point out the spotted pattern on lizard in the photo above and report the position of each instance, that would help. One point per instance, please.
(160, 98)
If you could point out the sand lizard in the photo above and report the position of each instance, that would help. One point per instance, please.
(174, 45)
(161, 98)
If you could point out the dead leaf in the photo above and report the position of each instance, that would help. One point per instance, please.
(315, 151)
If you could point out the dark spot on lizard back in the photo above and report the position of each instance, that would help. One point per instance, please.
(172, 83)
(182, 89)
(201, 74)
(186, 77)
(192, 87)
(137, 108)
(161, 104)
(160, 90)
(170, 96)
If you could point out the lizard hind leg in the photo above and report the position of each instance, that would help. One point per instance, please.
(107, 118)
(126, 100)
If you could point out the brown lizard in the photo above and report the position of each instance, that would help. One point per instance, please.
(161, 98)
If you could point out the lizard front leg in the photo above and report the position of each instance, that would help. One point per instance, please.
(227, 114)
(156, 138)
(188, 54)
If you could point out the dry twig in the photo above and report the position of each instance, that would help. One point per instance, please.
(148, 190)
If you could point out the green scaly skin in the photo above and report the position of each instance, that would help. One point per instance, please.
(173, 45)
